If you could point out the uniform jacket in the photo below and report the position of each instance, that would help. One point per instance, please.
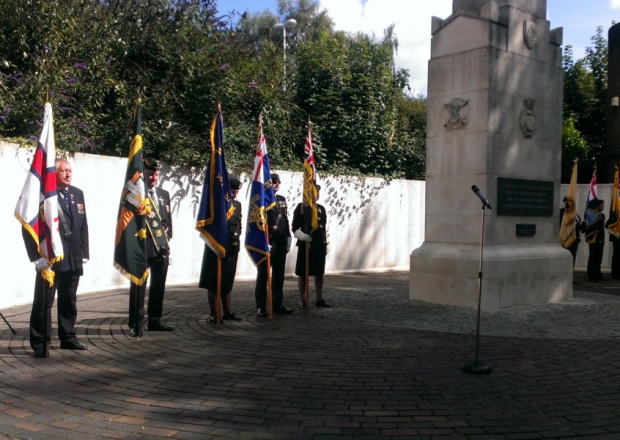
(163, 206)
(319, 236)
(75, 247)
(277, 219)
(234, 229)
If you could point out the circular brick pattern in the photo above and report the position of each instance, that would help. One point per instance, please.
(375, 365)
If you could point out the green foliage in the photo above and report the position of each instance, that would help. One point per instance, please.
(182, 58)
(574, 146)
(585, 97)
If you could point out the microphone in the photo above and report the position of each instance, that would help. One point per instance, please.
(486, 203)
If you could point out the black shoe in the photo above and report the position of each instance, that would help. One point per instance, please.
(41, 353)
(68, 345)
(322, 303)
(232, 316)
(158, 326)
(135, 332)
(262, 311)
(590, 280)
(603, 279)
(281, 308)
(576, 282)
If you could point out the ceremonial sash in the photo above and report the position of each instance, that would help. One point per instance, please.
(157, 231)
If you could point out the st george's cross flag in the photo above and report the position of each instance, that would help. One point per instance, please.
(37, 207)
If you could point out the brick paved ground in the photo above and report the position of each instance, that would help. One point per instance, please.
(374, 366)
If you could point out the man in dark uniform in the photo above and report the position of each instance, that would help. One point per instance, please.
(158, 234)
(208, 272)
(615, 242)
(318, 252)
(595, 236)
(74, 238)
(280, 242)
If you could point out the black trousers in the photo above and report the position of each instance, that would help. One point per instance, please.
(278, 265)
(595, 259)
(158, 272)
(65, 285)
(573, 248)
(615, 260)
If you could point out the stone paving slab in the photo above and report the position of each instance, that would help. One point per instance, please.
(376, 365)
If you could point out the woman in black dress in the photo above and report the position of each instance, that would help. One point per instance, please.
(318, 251)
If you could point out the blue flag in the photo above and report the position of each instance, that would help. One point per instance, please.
(216, 202)
(262, 199)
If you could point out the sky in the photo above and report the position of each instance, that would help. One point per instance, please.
(412, 19)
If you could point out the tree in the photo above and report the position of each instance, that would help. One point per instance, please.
(183, 58)
(585, 97)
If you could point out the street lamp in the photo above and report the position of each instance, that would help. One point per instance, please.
(288, 23)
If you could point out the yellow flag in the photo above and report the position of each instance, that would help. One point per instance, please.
(614, 225)
(568, 234)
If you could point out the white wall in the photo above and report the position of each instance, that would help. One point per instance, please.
(373, 225)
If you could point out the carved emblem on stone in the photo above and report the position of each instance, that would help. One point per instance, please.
(529, 33)
(457, 113)
(527, 118)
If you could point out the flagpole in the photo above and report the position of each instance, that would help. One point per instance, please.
(307, 276)
(219, 290)
(268, 263)
(7, 323)
(44, 296)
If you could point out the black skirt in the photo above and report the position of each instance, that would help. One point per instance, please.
(317, 260)
(208, 272)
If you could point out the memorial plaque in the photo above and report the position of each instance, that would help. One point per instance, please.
(524, 197)
(526, 230)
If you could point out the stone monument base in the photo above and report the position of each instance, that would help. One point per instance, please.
(512, 274)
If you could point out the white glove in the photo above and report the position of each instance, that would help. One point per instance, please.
(41, 264)
(84, 261)
(301, 236)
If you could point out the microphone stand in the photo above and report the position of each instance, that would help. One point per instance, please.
(477, 367)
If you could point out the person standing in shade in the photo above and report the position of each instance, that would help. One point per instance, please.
(615, 242)
(74, 238)
(158, 234)
(318, 252)
(208, 273)
(279, 241)
(595, 236)
(574, 247)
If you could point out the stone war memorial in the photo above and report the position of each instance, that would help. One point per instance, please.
(494, 121)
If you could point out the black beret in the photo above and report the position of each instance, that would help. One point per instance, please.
(151, 164)
(235, 184)
(275, 177)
